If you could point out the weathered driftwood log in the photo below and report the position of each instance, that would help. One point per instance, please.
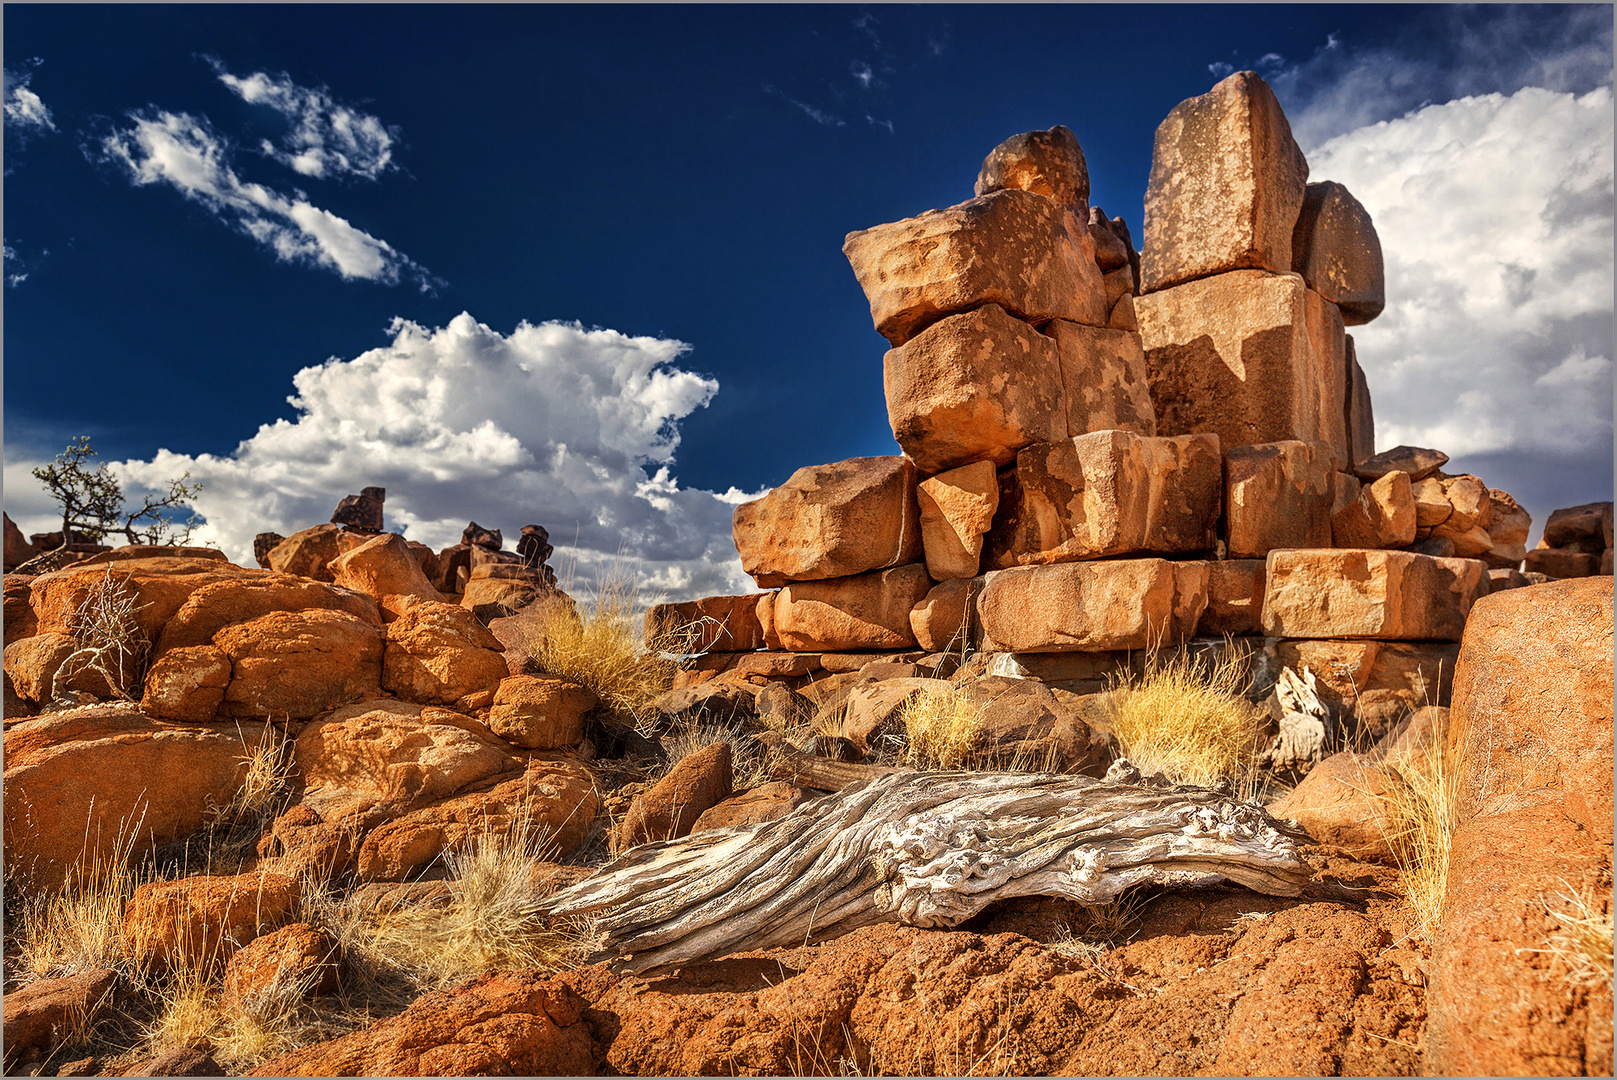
(926, 849)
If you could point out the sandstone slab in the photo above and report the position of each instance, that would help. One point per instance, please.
(1234, 598)
(1361, 417)
(1586, 528)
(1335, 248)
(1227, 183)
(711, 624)
(1029, 254)
(832, 521)
(1104, 380)
(1556, 562)
(1389, 595)
(248, 595)
(869, 611)
(1277, 495)
(1088, 606)
(957, 507)
(1417, 461)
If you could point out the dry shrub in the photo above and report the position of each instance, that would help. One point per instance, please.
(108, 640)
(1187, 719)
(78, 928)
(603, 648)
(1419, 802)
(945, 728)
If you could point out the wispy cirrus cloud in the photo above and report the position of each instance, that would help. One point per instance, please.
(325, 138)
(819, 116)
(26, 113)
(185, 153)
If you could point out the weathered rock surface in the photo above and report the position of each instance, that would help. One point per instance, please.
(670, 809)
(308, 552)
(1586, 528)
(946, 612)
(1532, 722)
(957, 507)
(711, 624)
(1029, 254)
(437, 653)
(243, 596)
(35, 1013)
(1227, 183)
(540, 712)
(976, 386)
(1277, 495)
(1108, 493)
(763, 803)
(1335, 248)
(1104, 380)
(1361, 418)
(17, 548)
(202, 921)
(295, 664)
(1234, 598)
(1048, 163)
(187, 684)
(1090, 606)
(161, 586)
(1383, 516)
(832, 521)
(869, 611)
(363, 511)
(78, 781)
(1418, 462)
(1391, 595)
(385, 569)
(298, 960)
(505, 1024)
(1251, 356)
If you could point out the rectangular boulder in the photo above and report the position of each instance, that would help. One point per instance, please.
(1361, 419)
(1234, 598)
(1107, 493)
(1355, 593)
(1277, 495)
(852, 614)
(1251, 356)
(957, 508)
(711, 624)
(1025, 252)
(1090, 606)
(1227, 183)
(1105, 385)
(1335, 248)
(831, 521)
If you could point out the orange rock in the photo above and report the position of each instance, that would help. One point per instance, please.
(1030, 255)
(1088, 606)
(671, 807)
(831, 521)
(308, 552)
(1389, 595)
(947, 611)
(161, 585)
(1471, 515)
(1361, 418)
(1048, 163)
(202, 921)
(295, 962)
(711, 624)
(957, 507)
(1227, 183)
(436, 653)
(1335, 248)
(1586, 527)
(1250, 356)
(215, 605)
(763, 803)
(540, 712)
(187, 684)
(1107, 493)
(32, 663)
(17, 548)
(1105, 384)
(1383, 516)
(40, 1015)
(872, 710)
(975, 386)
(507, 1024)
(1234, 598)
(295, 664)
(1508, 525)
(78, 782)
(868, 611)
(1277, 495)
(382, 568)
(1555, 562)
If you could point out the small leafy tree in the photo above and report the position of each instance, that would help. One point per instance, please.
(93, 501)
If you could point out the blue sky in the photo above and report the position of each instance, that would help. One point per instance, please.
(395, 216)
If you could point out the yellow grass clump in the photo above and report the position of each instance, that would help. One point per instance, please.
(1419, 801)
(945, 728)
(1186, 719)
(1584, 941)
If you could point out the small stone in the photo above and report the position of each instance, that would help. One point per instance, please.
(362, 512)
(1048, 163)
(672, 807)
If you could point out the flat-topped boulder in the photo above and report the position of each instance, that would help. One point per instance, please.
(1227, 183)
(832, 521)
(1107, 493)
(1277, 495)
(1092, 606)
(1389, 595)
(1335, 248)
(1252, 356)
(1029, 254)
(1417, 461)
(864, 612)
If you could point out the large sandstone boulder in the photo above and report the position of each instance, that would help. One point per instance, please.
(1092, 606)
(1335, 248)
(385, 569)
(161, 586)
(1356, 593)
(249, 595)
(957, 507)
(1029, 254)
(832, 521)
(668, 810)
(1532, 726)
(296, 664)
(1361, 417)
(1277, 495)
(711, 624)
(1227, 183)
(187, 683)
(944, 620)
(309, 552)
(540, 712)
(80, 782)
(976, 386)
(437, 653)
(200, 921)
(1048, 163)
(869, 611)
(1251, 356)
(1104, 380)
(1108, 493)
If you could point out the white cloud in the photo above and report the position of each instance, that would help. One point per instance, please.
(24, 109)
(553, 424)
(819, 116)
(1495, 215)
(185, 153)
(325, 139)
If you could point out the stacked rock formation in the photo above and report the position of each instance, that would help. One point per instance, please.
(1576, 543)
(1107, 451)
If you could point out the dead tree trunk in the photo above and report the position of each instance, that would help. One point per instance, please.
(925, 849)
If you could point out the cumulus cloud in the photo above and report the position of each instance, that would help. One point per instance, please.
(25, 112)
(574, 429)
(325, 138)
(1495, 214)
(185, 153)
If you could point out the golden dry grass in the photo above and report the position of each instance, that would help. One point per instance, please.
(1186, 719)
(944, 728)
(1584, 941)
(1419, 805)
(79, 927)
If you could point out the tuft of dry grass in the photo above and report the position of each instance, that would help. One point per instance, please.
(602, 648)
(945, 729)
(1584, 941)
(1187, 719)
(1419, 803)
(78, 928)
